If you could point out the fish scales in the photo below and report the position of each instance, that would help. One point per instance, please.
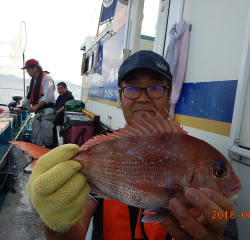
(139, 164)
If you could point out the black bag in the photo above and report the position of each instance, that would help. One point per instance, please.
(64, 131)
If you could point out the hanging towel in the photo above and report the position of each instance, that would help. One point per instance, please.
(95, 67)
(180, 70)
(176, 32)
(176, 56)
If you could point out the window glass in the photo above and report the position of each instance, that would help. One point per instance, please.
(173, 16)
(150, 13)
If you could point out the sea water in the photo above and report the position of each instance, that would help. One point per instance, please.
(10, 89)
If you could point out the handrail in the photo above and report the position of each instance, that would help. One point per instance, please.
(108, 32)
(91, 115)
(16, 137)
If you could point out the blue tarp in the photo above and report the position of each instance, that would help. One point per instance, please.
(109, 12)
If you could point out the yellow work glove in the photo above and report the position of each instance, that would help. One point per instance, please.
(57, 189)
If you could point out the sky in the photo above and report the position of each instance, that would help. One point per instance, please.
(55, 29)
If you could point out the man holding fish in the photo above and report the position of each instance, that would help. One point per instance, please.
(144, 81)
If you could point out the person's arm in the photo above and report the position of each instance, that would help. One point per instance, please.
(35, 107)
(78, 231)
(205, 227)
(60, 110)
(25, 102)
(48, 88)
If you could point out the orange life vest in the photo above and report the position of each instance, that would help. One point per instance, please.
(117, 224)
(40, 90)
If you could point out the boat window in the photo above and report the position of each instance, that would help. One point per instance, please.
(88, 64)
(150, 13)
(174, 16)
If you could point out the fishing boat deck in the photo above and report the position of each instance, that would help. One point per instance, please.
(19, 220)
(6, 132)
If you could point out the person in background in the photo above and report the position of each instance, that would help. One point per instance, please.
(144, 82)
(64, 96)
(41, 96)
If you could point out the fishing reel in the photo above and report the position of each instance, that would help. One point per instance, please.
(13, 105)
(14, 108)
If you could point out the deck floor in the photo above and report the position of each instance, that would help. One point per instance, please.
(18, 219)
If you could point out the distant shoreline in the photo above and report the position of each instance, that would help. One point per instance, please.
(12, 78)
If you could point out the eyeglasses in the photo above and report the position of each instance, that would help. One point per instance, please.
(152, 91)
(28, 68)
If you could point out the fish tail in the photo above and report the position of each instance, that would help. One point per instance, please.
(33, 150)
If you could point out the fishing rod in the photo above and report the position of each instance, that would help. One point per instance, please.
(13, 108)
(8, 105)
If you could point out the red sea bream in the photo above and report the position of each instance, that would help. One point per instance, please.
(148, 163)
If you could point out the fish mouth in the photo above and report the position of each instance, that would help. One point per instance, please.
(230, 193)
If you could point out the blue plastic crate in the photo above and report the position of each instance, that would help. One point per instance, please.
(27, 135)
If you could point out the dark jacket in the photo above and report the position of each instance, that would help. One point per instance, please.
(60, 102)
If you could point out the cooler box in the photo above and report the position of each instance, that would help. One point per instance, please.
(81, 130)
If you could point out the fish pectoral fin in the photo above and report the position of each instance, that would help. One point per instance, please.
(160, 192)
(156, 215)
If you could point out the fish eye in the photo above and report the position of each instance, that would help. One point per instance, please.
(219, 172)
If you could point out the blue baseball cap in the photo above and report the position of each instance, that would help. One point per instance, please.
(145, 59)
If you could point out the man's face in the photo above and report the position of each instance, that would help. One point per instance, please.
(134, 108)
(33, 72)
(61, 90)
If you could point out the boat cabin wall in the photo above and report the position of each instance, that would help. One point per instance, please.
(206, 104)
(215, 85)
(205, 107)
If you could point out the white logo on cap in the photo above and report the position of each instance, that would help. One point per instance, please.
(160, 65)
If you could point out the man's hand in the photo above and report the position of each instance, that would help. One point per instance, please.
(57, 189)
(205, 227)
(33, 108)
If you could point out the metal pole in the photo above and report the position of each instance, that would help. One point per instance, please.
(23, 77)
(24, 48)
(127, 25)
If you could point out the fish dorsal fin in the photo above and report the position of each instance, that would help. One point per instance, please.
(140, 127)
(155, 123)
(143, 126)
(133, 130)
(148, 125)
(126, 132)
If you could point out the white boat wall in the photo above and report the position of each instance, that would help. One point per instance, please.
(215, 97)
